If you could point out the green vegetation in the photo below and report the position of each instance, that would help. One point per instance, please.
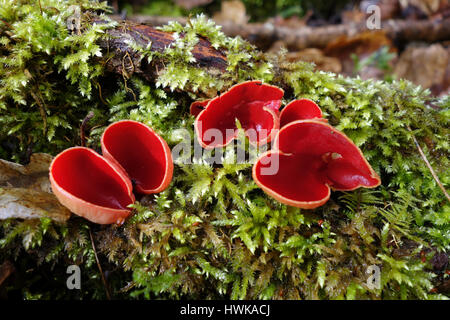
(213, 233)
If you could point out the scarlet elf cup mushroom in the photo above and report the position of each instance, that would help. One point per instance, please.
(253, 103)
(301, 109)
(198, 106)
(308, 157)
(99, 188)
(143, 154)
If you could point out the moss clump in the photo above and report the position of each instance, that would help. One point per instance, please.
(213, 233)
(48, 73)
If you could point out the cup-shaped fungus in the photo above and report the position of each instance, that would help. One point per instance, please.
(310, 157)
(198, 106)
(91, 186)
(301, 109)
(99, 188)
(254, 104)
(141, 152)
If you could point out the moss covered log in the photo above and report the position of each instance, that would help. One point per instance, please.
(213, 233)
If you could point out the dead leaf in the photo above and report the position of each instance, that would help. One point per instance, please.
(443, 12)
(232, 11)
(443, 88)
(322, 62)
(25, 203)
(362, 44)
(423, 65)
(428, 7)
(34, 175)
(25, 191)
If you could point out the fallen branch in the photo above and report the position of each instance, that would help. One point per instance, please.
(126, 61)
(306, 37)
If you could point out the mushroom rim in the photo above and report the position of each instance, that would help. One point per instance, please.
(90, 205)
(277, 196)
(168, 172)
(296, 101)
(373, 174)
(273, 133)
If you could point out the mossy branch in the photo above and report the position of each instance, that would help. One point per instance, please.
(125, 60)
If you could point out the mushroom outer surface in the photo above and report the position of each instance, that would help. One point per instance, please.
(91, 186)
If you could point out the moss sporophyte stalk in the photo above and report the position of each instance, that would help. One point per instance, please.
(213, 233)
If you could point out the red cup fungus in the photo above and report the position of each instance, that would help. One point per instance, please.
(301, 109)
(198, 106)
(253, 103)
(308, 158)
(142, 153)
(99, 188)
(91, 186)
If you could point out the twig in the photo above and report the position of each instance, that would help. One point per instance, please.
(264, 34)
(83, 143)
(42, 110)
(105, 283)
(83, 127)
(433, 173)
(40, 6)
(100, 93)
(7, 24)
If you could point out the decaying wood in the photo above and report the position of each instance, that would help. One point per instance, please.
(263, 35)
(126, 61)
(6, 269)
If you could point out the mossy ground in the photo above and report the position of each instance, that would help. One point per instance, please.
(213, 233)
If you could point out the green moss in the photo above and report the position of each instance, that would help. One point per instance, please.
(48, 75)
(213, 233)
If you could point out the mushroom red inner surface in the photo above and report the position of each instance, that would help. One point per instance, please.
(301, 109)
(309, 157)
(139, 151)
(299, 177)
(251, 116)
(198, 106)
(347, 170)
(252, 103)
(88, 176)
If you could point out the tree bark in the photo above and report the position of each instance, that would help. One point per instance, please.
(263, 35)
(126, 61)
